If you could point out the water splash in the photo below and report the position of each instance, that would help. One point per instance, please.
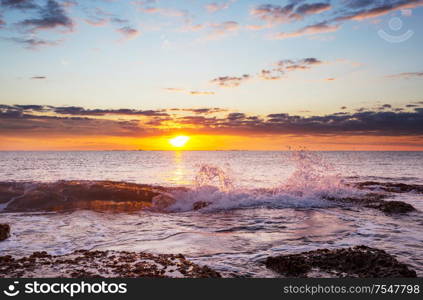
(210, 175)
(312, 180)
(313, 175)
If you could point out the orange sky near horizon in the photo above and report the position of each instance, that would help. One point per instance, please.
(213, 143)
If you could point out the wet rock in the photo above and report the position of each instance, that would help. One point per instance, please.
(376, 201)
(200, 204)
(394, 207)
(390, 187)
(7, 193)
(359, 261)
(4, 231)
(92, 195)
(103, 264)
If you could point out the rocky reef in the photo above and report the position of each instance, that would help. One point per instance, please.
(376, 201)
(103, 264)
(390, 187)
(93, 195)
(4, 231)
(359, 261)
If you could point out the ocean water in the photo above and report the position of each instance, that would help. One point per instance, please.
(261, 204)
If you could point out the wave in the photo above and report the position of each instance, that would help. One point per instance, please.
(314, 183)
(213, 188)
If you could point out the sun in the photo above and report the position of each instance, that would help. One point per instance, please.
(179, 141)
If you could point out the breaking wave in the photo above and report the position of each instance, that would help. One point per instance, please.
(312, 181)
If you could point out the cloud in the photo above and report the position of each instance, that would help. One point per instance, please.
(348, 10)
(201, 93)
(304, 63)
(33, 43)
(407, 75)
(358, 3)
(99, 17)
(97, 22)
(51, 16)
(222, 29)
(201, 111)
(319, 28)
(230, 82)
(275, 14)
(193, 27)
(215, 30)
(270, 74)
(150, 7)
(18, 120)
(215, 6)
(284, 66)
(128, 32)
(80, 111)
(39, 77)
(385, 106)
(380, 8)
(277, 72)
(174, 90)
(18, 4)
(314, 8)
(291, 12)
(195, 93)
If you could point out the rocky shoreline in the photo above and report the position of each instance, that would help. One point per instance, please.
(103, 264)
(111, 196)
(359, 261)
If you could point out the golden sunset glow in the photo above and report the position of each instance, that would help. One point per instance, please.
(179, 141)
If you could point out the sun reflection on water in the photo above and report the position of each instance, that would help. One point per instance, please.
(178, 176)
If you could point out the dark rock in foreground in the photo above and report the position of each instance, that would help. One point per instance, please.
(103, 264)
(4, 231)
(359, 261)
(376, 201)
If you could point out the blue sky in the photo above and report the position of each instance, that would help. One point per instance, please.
(163, 54)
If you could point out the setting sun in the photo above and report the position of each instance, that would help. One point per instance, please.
(179, 141)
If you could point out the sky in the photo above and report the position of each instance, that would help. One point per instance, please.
(230, 74)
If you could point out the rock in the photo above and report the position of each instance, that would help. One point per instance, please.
(102, 264)
(4, 231)
(359, 261)
(200, 204)
(390, 187)
(92, 195)
(395, 207)
(375, 201)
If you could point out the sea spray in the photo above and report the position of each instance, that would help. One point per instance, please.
(312, 180)
(209, 175)
(313, 175)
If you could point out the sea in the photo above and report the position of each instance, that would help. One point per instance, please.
(261, 203)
